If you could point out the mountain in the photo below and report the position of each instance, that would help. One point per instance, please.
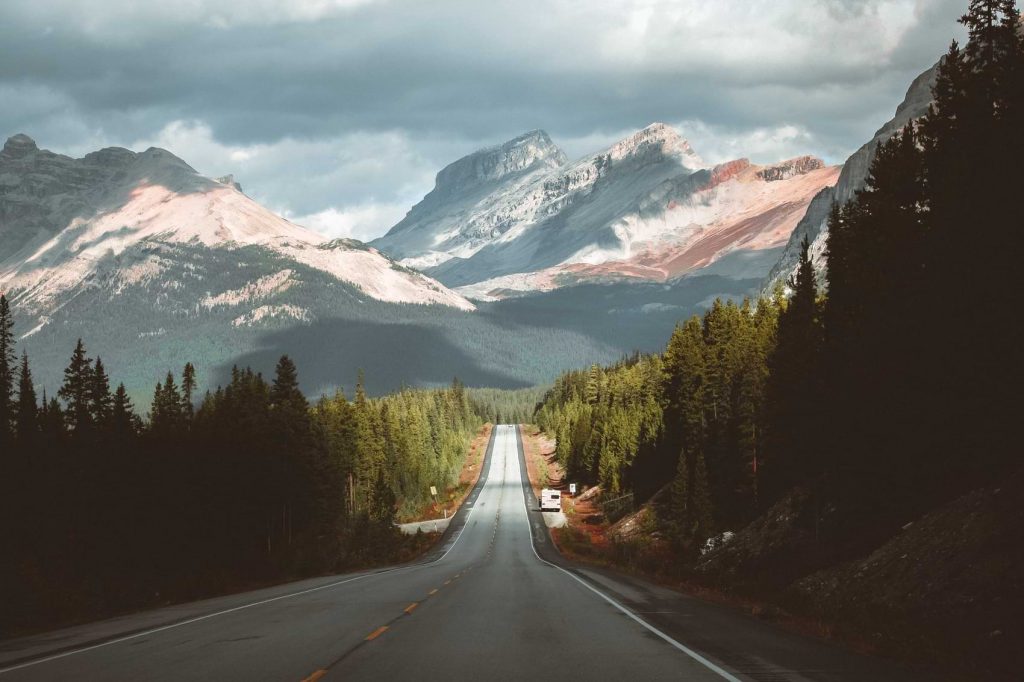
(853, 177)
(518, 218)
(462, 212)
(155, 265)
(69, 223)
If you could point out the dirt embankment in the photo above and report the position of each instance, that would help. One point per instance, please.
(948, 588)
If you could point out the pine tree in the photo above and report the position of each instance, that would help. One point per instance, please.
(368, 447)
(188, 387)
(679, 504)
(285, 393)
(593, 389)
(382, 507)
(100, 399)
(52, 423)
(794, 392)
(27, 413)
(124, 424)
(156, 406)
(166, 414)
(7, 370)
(685, 381)
(701, 507)
(76, 392)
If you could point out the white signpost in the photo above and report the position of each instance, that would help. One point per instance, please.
(572, 488)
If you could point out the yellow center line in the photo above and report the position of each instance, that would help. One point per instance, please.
(447, 582)
(433, 591)
(377, 633)
(315, 676)
(410, 607)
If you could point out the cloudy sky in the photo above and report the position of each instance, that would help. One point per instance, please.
(338, 113)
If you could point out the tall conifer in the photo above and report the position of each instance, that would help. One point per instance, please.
(7, 371)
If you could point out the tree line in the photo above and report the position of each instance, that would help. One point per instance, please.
(104, 508)
(881, 392)
(506, 406)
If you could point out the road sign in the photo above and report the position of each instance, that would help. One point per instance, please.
(572, 488)
(433, 491)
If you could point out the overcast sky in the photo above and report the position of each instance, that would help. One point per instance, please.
(338, 113)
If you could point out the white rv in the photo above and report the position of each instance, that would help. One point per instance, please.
(550, 500)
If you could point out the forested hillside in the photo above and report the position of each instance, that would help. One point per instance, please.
(694, 414)
(106, 508)
(838, 418)
(888, 395)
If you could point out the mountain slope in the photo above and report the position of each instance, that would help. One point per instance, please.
(646, 208)
(853, 177)
(154, 265)
(459, 215)
(64, 219)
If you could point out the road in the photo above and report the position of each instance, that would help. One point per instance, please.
(492, 601)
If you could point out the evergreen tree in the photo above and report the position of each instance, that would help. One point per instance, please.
(124, 423)
(285, 394)
(100, 399)
(685, 388)
(700, 500)
(369, 450)
(793, 391)
(27, 412)
(52, 422)
(7, 372)
(188, 387)
(76, 392)
(679, 504)
(167, 418)
(382, 507)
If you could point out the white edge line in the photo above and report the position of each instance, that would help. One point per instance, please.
(189, 621)
(681, 647)
(145, 633)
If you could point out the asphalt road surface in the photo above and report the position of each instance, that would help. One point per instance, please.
(493, 601)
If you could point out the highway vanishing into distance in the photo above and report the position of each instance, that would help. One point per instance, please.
(493, 601)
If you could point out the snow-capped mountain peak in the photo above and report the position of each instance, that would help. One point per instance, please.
(657, 140)
(530, 151)
(68, 221)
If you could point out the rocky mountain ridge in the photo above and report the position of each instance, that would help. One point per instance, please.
(647, 208)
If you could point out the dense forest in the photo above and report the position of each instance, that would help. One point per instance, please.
(505, 406)
(103, 509)
(694, 415)
(882, 392)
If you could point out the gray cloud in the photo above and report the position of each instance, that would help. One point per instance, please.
(338, 113)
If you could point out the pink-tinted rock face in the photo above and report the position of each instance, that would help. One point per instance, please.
(727, 171)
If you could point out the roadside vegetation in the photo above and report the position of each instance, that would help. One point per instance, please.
(104, 510)
(821, 428)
